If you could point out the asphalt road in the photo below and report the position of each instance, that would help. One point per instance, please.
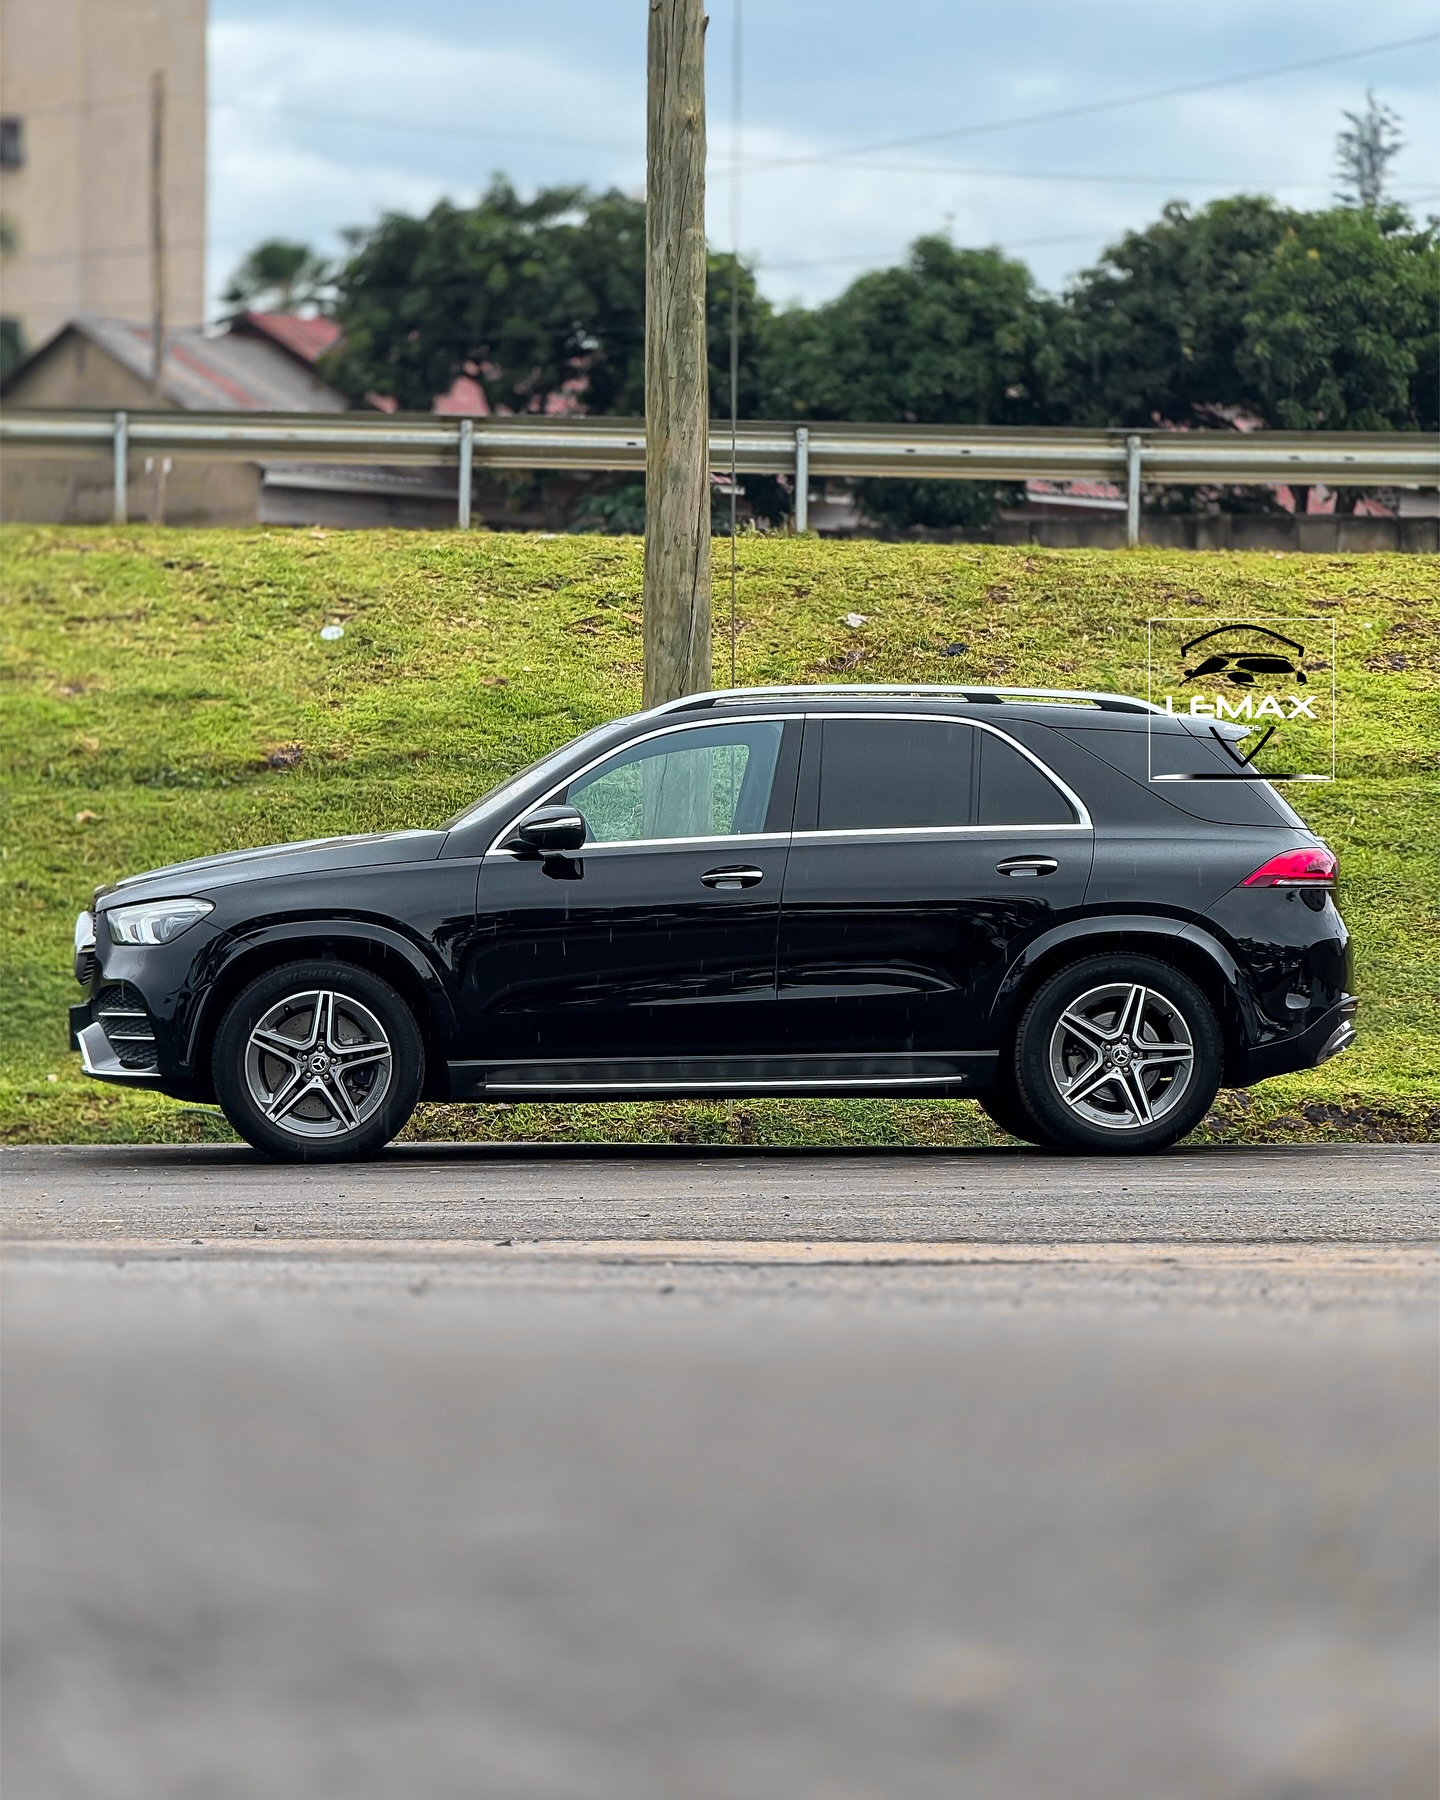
(485, 1474)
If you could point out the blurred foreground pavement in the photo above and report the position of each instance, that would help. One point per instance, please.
(745, 1515)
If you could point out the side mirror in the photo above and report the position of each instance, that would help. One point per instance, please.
(553, 830)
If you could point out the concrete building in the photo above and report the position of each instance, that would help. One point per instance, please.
(106, 364)
(75, 161)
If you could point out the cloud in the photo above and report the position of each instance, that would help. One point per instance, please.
(819, 77)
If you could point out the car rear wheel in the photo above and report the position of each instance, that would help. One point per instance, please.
(318, 1062)
(1118, 1053)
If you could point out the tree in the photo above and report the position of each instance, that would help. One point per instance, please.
(951, 336)
(1364, 152)
(533, 298)
(1340, 330)
(756, 321)
(278, 276)
(1152, 333)
(948, 337)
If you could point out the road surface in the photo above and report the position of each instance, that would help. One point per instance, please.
(514, 1475)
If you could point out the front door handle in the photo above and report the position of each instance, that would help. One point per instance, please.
(1027, 865)
(727, 880)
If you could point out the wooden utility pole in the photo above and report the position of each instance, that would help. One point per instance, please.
(677, 384)
(157, 229)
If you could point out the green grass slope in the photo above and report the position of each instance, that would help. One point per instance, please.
(168, 694)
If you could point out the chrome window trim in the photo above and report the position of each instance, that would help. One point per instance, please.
(1081, 822)
(667, 729)
(657, 843)
(850, 834)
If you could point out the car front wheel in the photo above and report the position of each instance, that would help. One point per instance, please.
(1118, 1053)
(318, 1062)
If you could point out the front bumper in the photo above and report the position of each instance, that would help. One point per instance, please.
(98, 1057)
(1331, 1033)
(116, 1038)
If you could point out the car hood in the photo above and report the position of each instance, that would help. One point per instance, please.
(363, 850)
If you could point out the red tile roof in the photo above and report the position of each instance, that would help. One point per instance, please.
(308, 339)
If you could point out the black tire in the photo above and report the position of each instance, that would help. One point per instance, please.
(335, 1071)
(1003, 1105)
(1110, 1040)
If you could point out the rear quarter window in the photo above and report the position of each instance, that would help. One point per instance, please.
(1174, 751)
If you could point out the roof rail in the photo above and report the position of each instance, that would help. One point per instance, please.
(979, 696)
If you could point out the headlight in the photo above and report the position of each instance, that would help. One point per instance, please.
(154, 921)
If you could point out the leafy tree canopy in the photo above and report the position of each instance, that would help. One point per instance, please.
(1240, 309)
(1153, 331)
(532, 298)
(951, 335)
(1340, 328)
(1245, 307)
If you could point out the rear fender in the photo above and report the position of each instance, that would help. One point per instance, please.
(1179, 941)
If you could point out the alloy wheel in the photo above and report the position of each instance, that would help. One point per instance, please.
(1122, 1056)
(318, 1064)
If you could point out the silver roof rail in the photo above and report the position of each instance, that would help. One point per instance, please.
(940, 690)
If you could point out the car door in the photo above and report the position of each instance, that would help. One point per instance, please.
(655, 941)
(926, 852)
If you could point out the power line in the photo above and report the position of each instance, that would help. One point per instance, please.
(1091, 107)
(364, 121)
(1034, 243)
(1071, 175)
(323, 116)
(436, 128)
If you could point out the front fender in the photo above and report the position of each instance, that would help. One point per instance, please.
(258, 944)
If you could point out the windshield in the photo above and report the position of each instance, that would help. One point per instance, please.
(522, 776)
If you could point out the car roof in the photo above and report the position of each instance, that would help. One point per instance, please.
(1055, 706)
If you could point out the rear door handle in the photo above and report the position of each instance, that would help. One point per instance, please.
(1027, 865)
(727, 880)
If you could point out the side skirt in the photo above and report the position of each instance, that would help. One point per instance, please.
(937, 1074)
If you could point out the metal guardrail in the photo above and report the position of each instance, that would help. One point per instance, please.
(805, 451)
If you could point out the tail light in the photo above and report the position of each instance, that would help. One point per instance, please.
(1296, 868)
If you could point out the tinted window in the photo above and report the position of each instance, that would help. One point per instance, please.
(1014, 792)
(1169, 749)
(877, 773)
(710, 782)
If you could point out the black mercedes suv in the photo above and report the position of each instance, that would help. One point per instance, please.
(1081, 912)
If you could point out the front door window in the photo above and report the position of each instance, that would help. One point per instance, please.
(710, 781)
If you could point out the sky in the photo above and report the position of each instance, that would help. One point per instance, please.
(327, 113)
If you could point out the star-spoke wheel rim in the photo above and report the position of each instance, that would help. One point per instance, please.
(318, 1064)
(1121, 1056)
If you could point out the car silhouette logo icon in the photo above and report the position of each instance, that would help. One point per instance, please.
(1237, 662)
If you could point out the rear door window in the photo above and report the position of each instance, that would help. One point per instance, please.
(894, 774)
(1014, 791)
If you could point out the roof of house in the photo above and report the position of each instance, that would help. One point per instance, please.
(226, 373)
(308, 339)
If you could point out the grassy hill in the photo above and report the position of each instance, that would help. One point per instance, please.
(169, 694)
